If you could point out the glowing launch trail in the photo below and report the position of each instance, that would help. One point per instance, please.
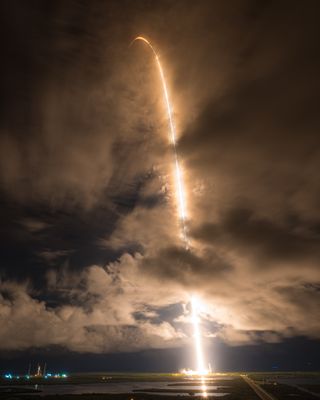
(172, 136)
(201, 370)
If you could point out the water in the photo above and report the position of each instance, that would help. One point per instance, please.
(126, 387)
(207, 394)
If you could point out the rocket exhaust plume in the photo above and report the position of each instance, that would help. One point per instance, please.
(181, 207)
(201, 370)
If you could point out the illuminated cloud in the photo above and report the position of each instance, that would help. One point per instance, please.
(92, 259)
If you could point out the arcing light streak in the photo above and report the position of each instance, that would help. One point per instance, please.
(172, 134)
(201, 370)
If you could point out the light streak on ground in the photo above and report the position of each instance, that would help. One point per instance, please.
(172, 135)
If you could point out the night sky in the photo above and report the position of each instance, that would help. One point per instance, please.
(93, 273)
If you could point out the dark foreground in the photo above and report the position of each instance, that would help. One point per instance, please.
(104, 386)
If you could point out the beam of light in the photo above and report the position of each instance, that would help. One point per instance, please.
(201, 370)
(172, 136)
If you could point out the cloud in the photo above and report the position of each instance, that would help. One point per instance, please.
(243, 80)
(52, 255)
(98, 316)
(34, 225)
(117, 308)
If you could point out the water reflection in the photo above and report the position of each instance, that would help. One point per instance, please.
(203, 388)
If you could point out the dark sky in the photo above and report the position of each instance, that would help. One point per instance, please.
(93, 271)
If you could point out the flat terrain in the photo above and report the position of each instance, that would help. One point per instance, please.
(107, 386)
